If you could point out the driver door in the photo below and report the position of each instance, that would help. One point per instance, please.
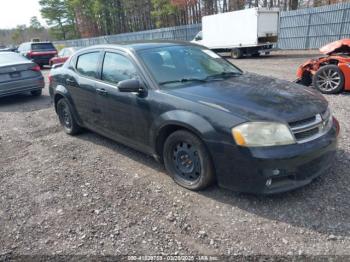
(125, 116)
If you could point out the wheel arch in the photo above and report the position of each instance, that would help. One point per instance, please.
(60, 93)
(178, 120)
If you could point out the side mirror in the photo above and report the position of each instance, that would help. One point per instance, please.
(130, 86)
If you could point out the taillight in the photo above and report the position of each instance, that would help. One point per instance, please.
(36, 68)
(30, 54)
(50, 79)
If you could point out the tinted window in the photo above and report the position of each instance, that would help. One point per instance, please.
(87, 64)
(175, 63)
(117, 68)
(43, 46)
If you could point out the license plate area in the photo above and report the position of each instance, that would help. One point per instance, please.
(15, 74)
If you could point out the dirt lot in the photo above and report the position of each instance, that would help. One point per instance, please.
(90, 195)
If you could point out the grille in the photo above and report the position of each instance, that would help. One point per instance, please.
(311, 128)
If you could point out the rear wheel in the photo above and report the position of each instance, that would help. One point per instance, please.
(36, 92)
(187, 160)
(66, 117)
(329, 79)
(236, 53)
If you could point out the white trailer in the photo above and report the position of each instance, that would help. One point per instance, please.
(246, 32)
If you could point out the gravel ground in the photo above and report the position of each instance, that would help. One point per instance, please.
(91, 196)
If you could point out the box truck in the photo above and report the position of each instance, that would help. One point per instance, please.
(246, 32)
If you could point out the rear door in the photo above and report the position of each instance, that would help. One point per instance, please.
(82, 87)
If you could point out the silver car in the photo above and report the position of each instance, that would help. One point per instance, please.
(19, 75)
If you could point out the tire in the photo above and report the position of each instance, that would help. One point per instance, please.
(187, 161)
(329, 79)
(66, 117)
(236, 53)
(36, 92)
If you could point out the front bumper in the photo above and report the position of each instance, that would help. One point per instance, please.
(286, 167)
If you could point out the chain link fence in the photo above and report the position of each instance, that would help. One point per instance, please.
(183, 33)
(299, 29)
(313, 27)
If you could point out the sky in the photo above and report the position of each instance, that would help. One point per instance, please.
(18, 12)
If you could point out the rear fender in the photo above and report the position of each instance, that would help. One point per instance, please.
(61, 91)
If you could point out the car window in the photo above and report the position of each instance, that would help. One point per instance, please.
(87, 64)
(62, 53)
(68, 52)
(117, 68)
(199, 36)
(43, 46)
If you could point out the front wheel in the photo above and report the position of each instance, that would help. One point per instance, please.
(66, 118)
(329, 79)
(188, 161)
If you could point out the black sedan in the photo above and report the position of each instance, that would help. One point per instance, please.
(202, 116)
(19, 75)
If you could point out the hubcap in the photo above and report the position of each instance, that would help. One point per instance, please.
(328, 80)
(186, 161)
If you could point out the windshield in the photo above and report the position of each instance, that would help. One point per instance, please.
(175, 66)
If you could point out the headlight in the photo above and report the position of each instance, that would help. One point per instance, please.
(257, 134)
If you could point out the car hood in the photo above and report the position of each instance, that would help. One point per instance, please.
(340, 46)
(254, 97)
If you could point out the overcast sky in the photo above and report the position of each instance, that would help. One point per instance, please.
(18, 12)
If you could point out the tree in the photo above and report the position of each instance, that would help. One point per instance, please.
(19, 34)
(35, 24)
(58, 15)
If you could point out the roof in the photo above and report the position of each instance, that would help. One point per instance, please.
(142, 45)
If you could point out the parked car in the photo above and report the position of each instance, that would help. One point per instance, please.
(19, 75)
(8, 49)
(63, 55)
(329, 74)
(39, 52)
(199, 114)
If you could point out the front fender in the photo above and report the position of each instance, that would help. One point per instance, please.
(193, 122)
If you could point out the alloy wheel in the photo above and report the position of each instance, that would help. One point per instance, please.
(328, 80)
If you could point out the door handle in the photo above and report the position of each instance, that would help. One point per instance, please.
(101, 91)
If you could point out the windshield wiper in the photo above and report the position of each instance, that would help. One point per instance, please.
(183, 80)
(223, 74)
